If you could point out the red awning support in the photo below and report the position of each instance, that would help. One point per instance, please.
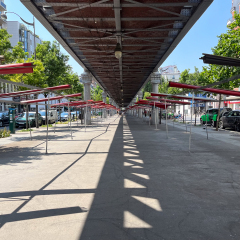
(17, 68)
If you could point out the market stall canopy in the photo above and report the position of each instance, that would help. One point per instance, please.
(184, 97)
(220, 60)
(51, 98)
(147, 31)
(35, 91)
(16, 68)
(212, 90)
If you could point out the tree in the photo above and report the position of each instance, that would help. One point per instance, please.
(5, 45)
(96, 93)
(147, 88)
(55, 63)
(228, 46)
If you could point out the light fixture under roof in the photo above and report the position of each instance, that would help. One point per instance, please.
(118, 51)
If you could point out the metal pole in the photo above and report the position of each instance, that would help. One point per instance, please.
(34, 38)
(71, 126)
(190, 136)
(30, 129)
(26, 114)
(166, 117)
(155, 115)
(68, 114)
(183, 112)
(47, 125)
(85, 117)
(206, 118)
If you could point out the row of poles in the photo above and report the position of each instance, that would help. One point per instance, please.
(69, 121)
(184, 120)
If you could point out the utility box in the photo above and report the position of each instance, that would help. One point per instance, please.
(12, 120)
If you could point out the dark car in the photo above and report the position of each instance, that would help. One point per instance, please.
(21, 120)
(231, 120)
(4, 118)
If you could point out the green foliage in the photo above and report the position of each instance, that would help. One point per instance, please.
(73, 80)
(26, 130)
(4, 133)
(5, 45)
(147, 88)
(49, 125)
(96, 93)
(195, 78)
(146, 94)
(228, 46)
(55, 63)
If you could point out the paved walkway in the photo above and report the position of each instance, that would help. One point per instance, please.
(122, 180)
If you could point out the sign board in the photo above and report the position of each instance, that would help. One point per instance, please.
(16, 99)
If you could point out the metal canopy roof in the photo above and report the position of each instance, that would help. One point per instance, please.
(148, 31)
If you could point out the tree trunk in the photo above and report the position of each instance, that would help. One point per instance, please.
(219, 102)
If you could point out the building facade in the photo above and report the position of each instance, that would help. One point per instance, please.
(3, 8)
(20, 33)
(235, 8)
(170, 73)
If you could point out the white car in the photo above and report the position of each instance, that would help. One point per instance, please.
(52, 116)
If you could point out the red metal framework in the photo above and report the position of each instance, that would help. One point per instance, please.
(28, 92)
(212, 90)
(51, 98)
(16, 68)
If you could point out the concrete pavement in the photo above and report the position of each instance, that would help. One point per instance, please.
(122, 180)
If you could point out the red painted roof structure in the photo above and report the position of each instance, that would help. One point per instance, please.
(51, 98)
(147, 30)
(16, 68)
(213, 90)
(183, 97)
(27, 92)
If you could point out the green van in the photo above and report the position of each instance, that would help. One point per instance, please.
(211, 115)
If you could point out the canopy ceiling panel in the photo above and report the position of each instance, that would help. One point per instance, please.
(148, 31)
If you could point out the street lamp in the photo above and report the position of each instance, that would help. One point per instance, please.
(4, 17)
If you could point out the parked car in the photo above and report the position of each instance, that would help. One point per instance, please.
(211, 115)
(52, 116)
(21, 120)
(4, 118)
(64, 116)
(231, 120)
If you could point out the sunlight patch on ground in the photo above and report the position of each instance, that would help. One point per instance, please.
(136, 160)
(142, 175)
(137, 167)
(132, 221)
(151, 202)
(127, 164)
(131, 184)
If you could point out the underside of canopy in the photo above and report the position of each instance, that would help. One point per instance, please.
(147, 30)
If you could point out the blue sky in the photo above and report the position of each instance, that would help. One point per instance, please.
(200, 39)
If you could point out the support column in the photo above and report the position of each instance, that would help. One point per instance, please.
(110, 110)
(104, 96)
(155, 81)
(140, 95)
(87, 79)
(133, 103)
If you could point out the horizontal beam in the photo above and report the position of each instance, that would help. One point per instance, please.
(107, 5)
(126, 19)
(125, 30)
(114, 38)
